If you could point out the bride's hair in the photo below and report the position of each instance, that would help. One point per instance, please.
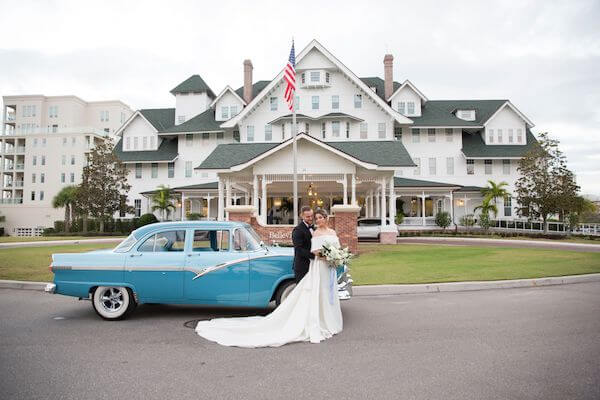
(321, 212)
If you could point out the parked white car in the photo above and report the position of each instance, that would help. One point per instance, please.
(369, 228)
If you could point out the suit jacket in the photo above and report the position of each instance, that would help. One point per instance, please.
(301, 238)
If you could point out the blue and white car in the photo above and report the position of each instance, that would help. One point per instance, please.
(193, 262)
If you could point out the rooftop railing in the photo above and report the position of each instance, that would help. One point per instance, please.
(57, 131)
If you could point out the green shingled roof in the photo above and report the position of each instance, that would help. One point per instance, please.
(382, 153)
(474, 146)
(195, 84)
(167, 151)
(409, 183)
(257, 87)
(160, 118)
(209, 185)
(441, 112)
(204, 122)
(377, 82)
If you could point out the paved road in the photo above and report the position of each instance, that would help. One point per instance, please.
(529, 244)
(539, 343)
(38, 243)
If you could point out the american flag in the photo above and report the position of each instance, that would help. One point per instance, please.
(290, 78)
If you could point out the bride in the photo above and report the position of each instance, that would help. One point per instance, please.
(311, 312)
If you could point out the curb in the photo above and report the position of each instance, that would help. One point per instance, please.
(389, 290)
(41, 243)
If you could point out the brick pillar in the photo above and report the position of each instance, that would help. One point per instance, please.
(345, 225)
(241, 213)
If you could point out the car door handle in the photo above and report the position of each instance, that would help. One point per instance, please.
(135, 255)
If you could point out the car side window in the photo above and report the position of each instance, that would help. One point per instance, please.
(243, 241)
(211, 240)
(164, 241)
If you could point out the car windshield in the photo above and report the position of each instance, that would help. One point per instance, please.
(253, 233)
(126, 244)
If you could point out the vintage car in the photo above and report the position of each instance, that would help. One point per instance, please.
(193, 262)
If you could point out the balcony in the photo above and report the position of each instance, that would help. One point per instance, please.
(16, 200)
(10, 118)
(58, 131)
(19, 184)
(20, 149)
(20, 167)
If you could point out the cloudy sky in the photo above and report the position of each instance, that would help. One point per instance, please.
(542, 55)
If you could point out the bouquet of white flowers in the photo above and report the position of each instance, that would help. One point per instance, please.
(336, 256)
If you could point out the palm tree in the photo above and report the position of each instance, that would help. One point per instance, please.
(163, 201)
(492, 192)
(486, 207)
(66, 198)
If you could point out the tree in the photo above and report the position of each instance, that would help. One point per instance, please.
(443, 220)
(104, 182)
(163, 201)
(579, 208)
(545, 186)
(66, 198)
(467, 221)
(493, 191)
(485, 207)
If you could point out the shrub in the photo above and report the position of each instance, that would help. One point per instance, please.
(193, 216)
(484, 222)
(48, 231)
(399, 218)
(467, 221)
(59, 226)
(146, 219)
(443, 220)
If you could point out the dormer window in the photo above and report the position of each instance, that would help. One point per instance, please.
(411, 108)
(316, 78)
(466, 115)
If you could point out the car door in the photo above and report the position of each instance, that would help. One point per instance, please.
(155, 267)
(370, 228)
(215, 272)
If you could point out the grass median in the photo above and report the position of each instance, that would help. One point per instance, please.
(377, 264)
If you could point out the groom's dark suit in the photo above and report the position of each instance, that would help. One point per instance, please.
(301, 238)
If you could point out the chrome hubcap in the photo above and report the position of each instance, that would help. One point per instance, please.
(112, 299)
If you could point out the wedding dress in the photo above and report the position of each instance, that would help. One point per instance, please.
(311, 312)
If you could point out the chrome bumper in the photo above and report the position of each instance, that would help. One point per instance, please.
(50, 288)
(345, 285)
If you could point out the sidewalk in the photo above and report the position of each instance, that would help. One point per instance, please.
(532, 244)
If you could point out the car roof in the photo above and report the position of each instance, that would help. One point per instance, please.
(142, 231)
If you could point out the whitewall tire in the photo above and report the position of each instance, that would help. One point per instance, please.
(113, 302)
(284, 291)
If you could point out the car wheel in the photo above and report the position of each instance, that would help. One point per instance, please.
(284, 291)
(113, 302)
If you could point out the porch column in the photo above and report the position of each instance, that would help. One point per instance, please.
(377, 205)
(371, 211)
(182, 206)
(392, 201)
(255, 192)
(423, 208)
(208, 198)
(227, 197)
(263, 205)
(367, 204)
(383, 210)
(246, 198)
(220, 201)
(452, 207)
(345, 183)
(353, 190)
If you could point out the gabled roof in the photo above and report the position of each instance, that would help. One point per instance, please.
(441, 112)
(373, 154)
(209, 185)
(378, 84)
(410, 85)
(166, 152)
(203, 122)
(475, 147)
(358, 82)
(512, 107)
(257, 87)
(160, 118)
(412, 183)
(230, 90)
(194, 84)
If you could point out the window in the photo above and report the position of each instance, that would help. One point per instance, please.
(450, 165)
(402, 107)
(72, 176)
(233, 111)
(303, 77)
(62, 178)
(64, 141)
(180, 119)
(323, 130)
(507, 206)
(416, 135)
(491, 136)
(64, 159)
(236, 136)
(54, 128)
(431, 135)
(499, 135)
(411, 108)
(135, 142)
(42, 195)
(138, 170)
(268, 132)
(381, 130)
(164, 241)
(171, 170)
(250, 133)
(225, 112)
(519, 135)
(73, 141)
(72, 160)
(488, 167)
(32, 178)
(357, 100)
(417, 170)
(211, 240)
(154, 169)
(273, 102)
(398, 133)
(335, 128)
(347, 130)
(104, 116)
(44, 142)
(127, 143)
(53, 112)
(35, 142)
(32, 196)
(315, 102)
(470, 167)
(432, 166)
(511, 138)
(137, 204)
(327, 77)
(205, 136)
(506, 167)
(34, 160)
(335, 102)
(144, 142)
(43, 160)
(152, 142)
(315, 76)
(364, 130)
(188, 169)
(42, 177)
(307, 128)
(283, 131)
(449, 135)
(243, 241)
(220, 136)
(189, 140)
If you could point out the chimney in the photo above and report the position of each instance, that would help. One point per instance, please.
(247, 81)
(388, 68)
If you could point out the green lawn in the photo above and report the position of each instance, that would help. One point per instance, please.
(31, 263)
(11, 239)
(571, 239)
(402, 263)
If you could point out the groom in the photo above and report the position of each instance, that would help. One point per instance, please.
(301, 237)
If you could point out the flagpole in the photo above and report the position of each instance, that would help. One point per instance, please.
(295, 156)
